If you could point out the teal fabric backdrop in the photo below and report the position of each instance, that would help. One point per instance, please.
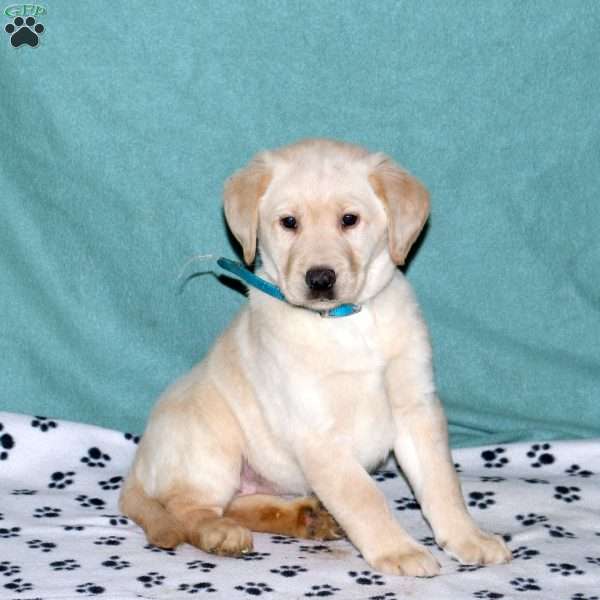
(118, 130)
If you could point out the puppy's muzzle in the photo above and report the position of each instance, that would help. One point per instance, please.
(320, 281)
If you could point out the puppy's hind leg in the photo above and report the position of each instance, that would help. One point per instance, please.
(186, 471)
(162, 529)
(300, 517)
(205, 526)
(183, 517)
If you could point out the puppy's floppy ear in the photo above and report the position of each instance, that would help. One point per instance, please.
(242, 193)
(406, 203)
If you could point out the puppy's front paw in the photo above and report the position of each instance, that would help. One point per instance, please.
(478, 548)
(222, 536)
(412, 560)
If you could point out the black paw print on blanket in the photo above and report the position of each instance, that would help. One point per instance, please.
(202, 566)
(158, 550)
(428, 541)
(494, 458)
(95, 458)
(115, 562)
(541, 456)
(534, 480)
(195, 588)
(69, 564)
(7, 443)
(320, 591)
(525, 584)
(567, 493)
(87, 502)
(117, 520)
(109, 540)
(8, 569)
(468, 568)
(482, 500)
(47, 512)
(90, 589)
(366, 578)
(577, 471)
(114, 483)
(316, 549)
(283, 539)
(558, 531)
(44, 424)
(19, 586)
(41, 545)
(9, 532)
(524, 553)
(255, 589)
(531, 519)
(289, 570)
(406, 503)
(60, 480)
(565, 569)
(384, 475)
(491, 479)
(151, 579)
(248, 556)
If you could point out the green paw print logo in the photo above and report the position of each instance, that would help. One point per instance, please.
(25, 28)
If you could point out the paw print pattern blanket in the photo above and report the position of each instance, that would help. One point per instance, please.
(61, 534)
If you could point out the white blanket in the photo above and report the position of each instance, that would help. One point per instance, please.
(61, 535)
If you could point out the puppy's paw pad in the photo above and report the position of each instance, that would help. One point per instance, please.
(223, 536)
(413, 561)
(478, 548)
(316, 523)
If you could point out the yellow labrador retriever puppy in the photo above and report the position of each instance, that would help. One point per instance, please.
(291, 402)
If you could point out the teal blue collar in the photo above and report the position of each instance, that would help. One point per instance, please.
(343, 310)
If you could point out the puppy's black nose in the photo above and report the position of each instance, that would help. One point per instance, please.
(320, 278)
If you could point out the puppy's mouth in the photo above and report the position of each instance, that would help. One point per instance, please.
(321, 296)
(321, 303)
(317, 302)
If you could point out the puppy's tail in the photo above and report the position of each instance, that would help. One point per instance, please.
(161, 527)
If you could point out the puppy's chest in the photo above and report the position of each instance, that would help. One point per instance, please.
(351, 344)
(332, 381)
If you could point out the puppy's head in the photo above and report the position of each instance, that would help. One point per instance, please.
(332, 220)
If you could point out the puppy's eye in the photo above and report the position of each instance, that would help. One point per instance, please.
(288, 222)
(349, 220)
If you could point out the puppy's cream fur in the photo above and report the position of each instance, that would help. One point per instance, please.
(305, 404)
